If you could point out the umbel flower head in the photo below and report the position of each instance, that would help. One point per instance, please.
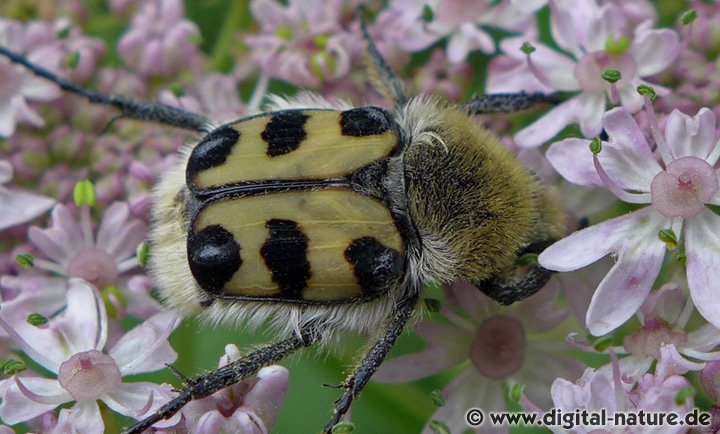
(597, 39)
(249, 407)
(104, 257)
(678, 179)
(18, 86)
(73, 346)
(502, 345)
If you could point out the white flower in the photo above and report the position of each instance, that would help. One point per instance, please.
(72, 346)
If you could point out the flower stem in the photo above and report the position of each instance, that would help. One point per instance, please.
(237, 14)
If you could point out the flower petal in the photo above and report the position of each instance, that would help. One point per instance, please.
(702, 248)
(579, 286)
(547, 126)
(563, 26)
(439, 354)
(691, 136)
(16, 407)
(704, 338)
(654, 50)
(591, 110)
(140, 302)
(62, 239)
(211, 421)
(84, 323)
(132, 400)
(7, 119)
(469, 390)
(41, 294)
(629, 96)
(269, 13)
(573, 160)
(268, 393)
(540, 312)
(666, 303)
(672, 363)
(556, 68)
(6, 171)
(508, 75)
(145, 348)
(625, 287)
(634, 367)
(467, 39)
(20, 207)
(622, 129)
(119, 234)
(594, 390)
(85, 417)
(477, 305)
(540, 368)
(590, 244)
(41, 344)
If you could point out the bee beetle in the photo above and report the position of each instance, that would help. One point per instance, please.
(323, 220)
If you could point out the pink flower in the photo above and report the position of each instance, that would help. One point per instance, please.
(678, 183)
(248, 407)
(703, 34)
(106, 259)
(18, 206)
(440, 77)
(498, 345)
(598, 39)
(32, 293)
(604, 389)
(664, 317)
(663, 333)
(303, 43)
(18, 85)
(72, 345)
(42, 39)
(710, 378)
(459, 21)
(160, 41)
(214, 95)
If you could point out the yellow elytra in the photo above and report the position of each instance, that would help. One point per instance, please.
(298, 145)
(274, 214)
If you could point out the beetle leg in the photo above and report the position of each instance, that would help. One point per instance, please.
(507, 102)
(128, 107)
(507, 293)
(372, 360)
(232, 373)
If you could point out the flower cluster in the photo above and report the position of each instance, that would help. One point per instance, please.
(632, 148)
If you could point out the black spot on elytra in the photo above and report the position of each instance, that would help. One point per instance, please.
(365, 121)
(284, 132)
(212, 151)
(376, 266)
(285, 254)
(214, 257)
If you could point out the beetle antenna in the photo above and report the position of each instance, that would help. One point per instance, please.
(381, 75)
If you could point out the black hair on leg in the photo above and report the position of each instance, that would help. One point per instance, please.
(372, 360)
(507, 102)
(230, 374)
